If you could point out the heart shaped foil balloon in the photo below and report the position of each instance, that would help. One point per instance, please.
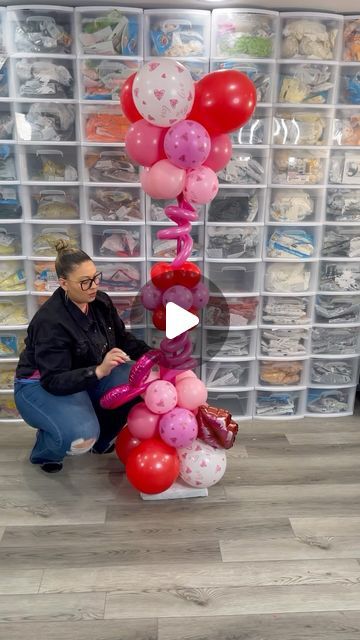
(216, 427)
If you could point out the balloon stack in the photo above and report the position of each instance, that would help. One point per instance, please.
(179, 134)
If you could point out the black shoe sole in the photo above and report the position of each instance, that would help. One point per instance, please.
(51, 467)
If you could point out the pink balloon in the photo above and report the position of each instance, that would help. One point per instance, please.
(187, 144)
(185, 374)
(201, 185)
(191, 393)
(160, 397)
(153, 375)
(178, 428)
(142, 423)
(200, 295)
(163, 180)
(151, 296)
(145, 143)
(220, 153)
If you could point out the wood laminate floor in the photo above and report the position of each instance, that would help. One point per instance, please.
(272, 554)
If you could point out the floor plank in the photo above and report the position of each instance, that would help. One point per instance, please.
(20, 581)
(48, 607)
(146, 629)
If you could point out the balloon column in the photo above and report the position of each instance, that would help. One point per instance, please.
(179, 134)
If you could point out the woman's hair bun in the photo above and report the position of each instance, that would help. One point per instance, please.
(61, 246)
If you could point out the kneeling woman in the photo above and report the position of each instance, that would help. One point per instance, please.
(76, 349)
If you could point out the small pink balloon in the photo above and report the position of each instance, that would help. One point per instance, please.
(191, 393)
(185, 374)
(200, 295)
(151, 296)
(201, 185)
(163, 180)
(178, 428)
(179, 295)
(145, 143)
(220, 153)
(187, 144)
(142, 423)
(160, 397)
(153, 375)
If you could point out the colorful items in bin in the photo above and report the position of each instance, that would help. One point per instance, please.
(110, 166)
(278, 343)
(103, 79)
(285, 310)
(275, 404)
(51, 166)
(4, 86)
(350, 87)
(234, 312)
(336, 372)
(105, 127)
(243, 168)
(312, 39)
(297, 167)
(340, 276)
(227, 344)
(343, 205)
(345, 168)
(130, 310)
(10, 244)
(167, 248)
(219, 374)
(7, 378)
(327, 401)
(7, 163)
(120, 276)
(300, 128)
(109, 34)
(12, 276)
(114, 205)
(337, 309)
(47, 122)
(290, 243)
(242, 207)
(12, 313)
(341, 242)
(259, 74)
(347, 130)
(44, 79)
(42, 33)
(280, 373)
(352, 40)
(10, 206)
(245, 35)
(46, 239)
(45, 276)
(335, 340)
(120, 243)
(307, 83)
(8, 410)
(55, 205)
(285, 277)
(177, 38)
(232, 242)
(290, 205)
(6, 126)
(11, 345)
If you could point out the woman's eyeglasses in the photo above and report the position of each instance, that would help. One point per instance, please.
(88, 283)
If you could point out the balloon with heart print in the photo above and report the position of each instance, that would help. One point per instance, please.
(201, 465)
(178, 427)
(187, 144)
(201, 185)
(163, 92)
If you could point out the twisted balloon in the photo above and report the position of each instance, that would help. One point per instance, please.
(183, 214)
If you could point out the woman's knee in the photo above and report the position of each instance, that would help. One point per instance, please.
(80, 438)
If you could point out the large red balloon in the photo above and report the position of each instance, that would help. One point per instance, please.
(220, 153)
(124, 443)
(162, 275)
(153, 466)
(127, 102)
(224, 101)
(188, 275)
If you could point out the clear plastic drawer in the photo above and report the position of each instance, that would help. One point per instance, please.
(40, 29)
(301, 127)
(341, 242)
(284, 343)
(330, 402)
(256, 131)
(346, 128)
(310, 36)
(45, 238)
(335, 341)
(296, 205)
(109, 31)
(155, 210)
(130, 309)
(231, 311)
(121, 276)
(46, 122)
(103, 123)
(339, 276)
(243, 33)
(245, 168)
(4, 77)
(228, 345)
(343, 205)
(233, 243)
(337, 309)
(10, 240)
(292, 243)
(44, 78)
(103, 78)
(306, 83)
(228, 374)
(108, 165)
(288, 277)
(50, 164)
(298, 167)
(6, 120)
(13, 312)
(349, 86)
(351, 51)
(7, 375)
(49, 203)
(8, 410)
(279, 404)
(334, 371)
(281, 373)
(11, 344)
(239, 404)
(114, 204)
(12, 275)
(237, 206)
(233, 277)
(286, 310)
(118, 242)
(261, 74)
(177, 34)
(8, 167)
(44, 276)
(344, 167)
(162, 249)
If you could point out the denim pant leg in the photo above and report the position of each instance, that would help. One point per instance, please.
(63, 422)
(111, 420)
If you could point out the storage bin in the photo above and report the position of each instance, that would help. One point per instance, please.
(11, 344)
(109, 31)
(12, 276)
(46, 122)
(44, 276)
(310, 36)
(237, 206)
(256, 131)
(306, 83)
(281, 373)
(2, 29)
(343, 205)
(292, 243)
(339, 276)
(228, 344)
(50, 164)
(114, 204)
(298, 167)
(335, 341)
(337, 309)
(177, 34)
(44, 238)
(346, 128)
(295, 205)
(8, 165)
(238, 403)
(44, 78)
(243, 33)
(344, 167)
(6, 120)
(121, 276)
(284, 343)
(351, 50)
(246, 167)
(233, 277)
(231, 311)
(334, 372)
(13, 311)
(279, 405)
(50, 203)
(40, 29)
(118, 242)
(341, 242)
(231, 375)
(262, 74)
(161, 249)
(103, 78)
(103, 123)
(10, 240)
(155, 210)
(301, 127)
(330, 402)
(288, 277)
(8, 410)
(349, 85)
(7, 375)
(107, 165)
(130, 309)
(4, 77)
(286, 310)
(232, 242)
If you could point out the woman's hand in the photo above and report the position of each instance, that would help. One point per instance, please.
(112, 359)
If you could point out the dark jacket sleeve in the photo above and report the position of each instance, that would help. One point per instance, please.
(125, 340)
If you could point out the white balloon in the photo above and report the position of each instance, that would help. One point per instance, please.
(201, 465)
(163, 92)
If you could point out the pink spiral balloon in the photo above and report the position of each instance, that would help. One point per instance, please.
(183, 214)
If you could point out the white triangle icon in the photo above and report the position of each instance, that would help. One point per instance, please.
(178, 320)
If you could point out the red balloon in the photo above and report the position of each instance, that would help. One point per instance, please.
(220, 152)
(162, 275)
(224, 101)
(153, 466)
(159, 318)
(188, 275)
(125, 443)
(127, 102)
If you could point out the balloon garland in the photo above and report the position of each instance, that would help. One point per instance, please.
(179, 134)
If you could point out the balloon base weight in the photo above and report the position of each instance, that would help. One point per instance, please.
(177, 490)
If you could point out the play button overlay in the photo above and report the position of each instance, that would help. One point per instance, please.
(178, 320)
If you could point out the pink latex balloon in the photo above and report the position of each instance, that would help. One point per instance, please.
(145, 143)
(142, 423)
(201, 185)
(178, 427)
(201, 465)
(161, 396)
(179, 295)
(191, 393)
(187, 144)
(151, 296)
(185, 374)
(163, 180)
(200, 295)
(220, 153)
(153, 375)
